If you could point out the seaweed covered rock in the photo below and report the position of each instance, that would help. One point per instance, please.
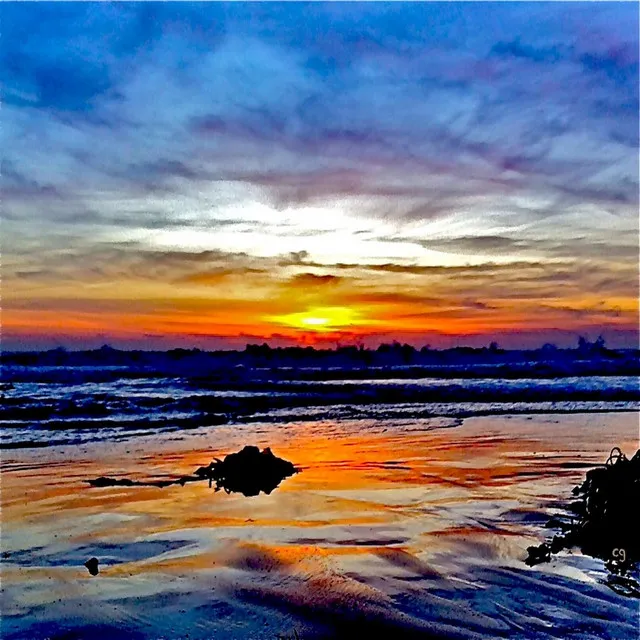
(249, 471)
(606, 521)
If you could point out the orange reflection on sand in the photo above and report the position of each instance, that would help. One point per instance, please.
(380, 509)
(362, 489)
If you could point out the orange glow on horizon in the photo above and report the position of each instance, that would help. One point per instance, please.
(315, 325)
(309, 307)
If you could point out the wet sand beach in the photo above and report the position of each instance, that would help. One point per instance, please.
(407, 528)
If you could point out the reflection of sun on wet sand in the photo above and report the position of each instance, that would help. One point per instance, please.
(406, 528)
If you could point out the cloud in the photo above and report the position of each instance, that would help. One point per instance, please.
(313, 280)
(383, 120)
(461, 155)
(217, 276)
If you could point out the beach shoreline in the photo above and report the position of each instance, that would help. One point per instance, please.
(399, 519)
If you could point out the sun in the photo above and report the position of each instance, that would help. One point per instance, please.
(320, 319)
(313, 321)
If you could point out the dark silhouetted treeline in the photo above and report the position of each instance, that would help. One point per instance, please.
(262, 361)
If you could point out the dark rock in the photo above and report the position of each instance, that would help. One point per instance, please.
(111, 482)
(250, 471)
(541, 553)
(607, 525)
(92, 566)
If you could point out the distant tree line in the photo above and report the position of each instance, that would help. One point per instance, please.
(261, 362)
(393, 353)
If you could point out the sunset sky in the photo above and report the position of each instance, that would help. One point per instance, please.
(215, 174)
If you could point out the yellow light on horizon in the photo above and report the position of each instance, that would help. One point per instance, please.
(321, 319)
(314, 321)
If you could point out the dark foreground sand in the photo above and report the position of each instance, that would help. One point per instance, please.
(393, 529)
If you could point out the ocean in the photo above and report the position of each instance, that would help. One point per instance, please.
(411, 515)
(43, 406)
